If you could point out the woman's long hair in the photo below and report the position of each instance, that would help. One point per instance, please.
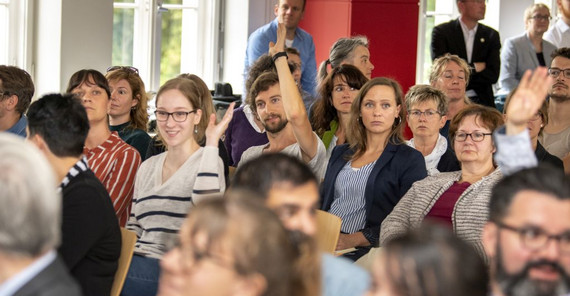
(138, 114)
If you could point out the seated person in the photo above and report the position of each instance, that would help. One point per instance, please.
(17, 92)
(348, 50)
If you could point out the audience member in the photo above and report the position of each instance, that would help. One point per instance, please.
(289, 188)
(350, 50)
(477, 44)
(169, 184)
(128, 108)
(221, 253)
(277, 102)
(556, 134)
(114, 162)
(526, 51)
(366, 178)
(331, 112)
(16, 92)
(288, 14)
(430, 261)
(427, 114)
(559, 34)
(296, 64)
(30, 222)
(91, 240)
(527, 237)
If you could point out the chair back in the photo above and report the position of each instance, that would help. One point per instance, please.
(129, 239)
(328, 231)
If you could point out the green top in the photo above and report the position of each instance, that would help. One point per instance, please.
(137, 138)
(329, 134)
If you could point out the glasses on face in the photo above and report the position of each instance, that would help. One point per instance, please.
(178, 116)
(539, 17)
(429, 114)
(555, 72)
(534, 238)
(342, 88)
(475, 136)
(128, 68)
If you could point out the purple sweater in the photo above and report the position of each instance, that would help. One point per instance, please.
(240, 135)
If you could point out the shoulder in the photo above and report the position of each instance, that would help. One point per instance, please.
(251, 152)
(54, 280)
(448, 25)
(438, 179)
(488, 30)
(343, 277)
(264, 30)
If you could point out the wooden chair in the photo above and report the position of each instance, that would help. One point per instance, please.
(328, 231)
(129, 239)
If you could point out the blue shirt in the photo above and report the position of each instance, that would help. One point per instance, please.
(343, 278)
(258, 44)
(20, 127)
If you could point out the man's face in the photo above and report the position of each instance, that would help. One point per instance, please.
(560, 90)
(473, 10)
(521, 263)
(269, 108)
(295, 206)
(289, 13)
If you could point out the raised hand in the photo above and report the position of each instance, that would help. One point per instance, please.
(215, 131)
(279, 45)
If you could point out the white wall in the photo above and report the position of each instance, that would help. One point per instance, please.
(511, 18)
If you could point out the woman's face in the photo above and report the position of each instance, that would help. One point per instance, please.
(176, 133)
(342, 94)
(121, 98)
(378, 109)
(452, 81)
(471, 151)
(539, 21)
(360, 58)
(428, 122)
(381, 282)
(534, 125)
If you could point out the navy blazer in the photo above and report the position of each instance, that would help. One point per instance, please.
(397, 168)
(448, 38)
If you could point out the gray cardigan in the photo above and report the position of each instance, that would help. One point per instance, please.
(469, 214)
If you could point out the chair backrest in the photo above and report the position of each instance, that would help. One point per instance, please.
(129, 239)
(328, 231)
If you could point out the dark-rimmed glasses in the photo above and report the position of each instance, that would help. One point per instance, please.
(534, 238)
(555, 72)
(128, 68)
(178, 116)
(475, 136)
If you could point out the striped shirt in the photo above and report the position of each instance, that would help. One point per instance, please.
(159, 209)
(349, 203)
(115, 164)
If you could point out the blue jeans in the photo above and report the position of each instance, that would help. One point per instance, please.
(142, 278)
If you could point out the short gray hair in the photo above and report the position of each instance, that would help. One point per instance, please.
(30, 211)
(424, 93)
(341, 50)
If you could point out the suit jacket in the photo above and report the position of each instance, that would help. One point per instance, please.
(517, 56)
(397, 168)
(448, 38)
(54, 280)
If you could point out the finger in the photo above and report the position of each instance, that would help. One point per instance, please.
(212, 119)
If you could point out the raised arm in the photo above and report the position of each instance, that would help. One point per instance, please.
(292, 100)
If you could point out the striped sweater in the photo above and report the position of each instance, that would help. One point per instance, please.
(159, 209)
(469, 214)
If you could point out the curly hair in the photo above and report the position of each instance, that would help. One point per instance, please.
(138, 114)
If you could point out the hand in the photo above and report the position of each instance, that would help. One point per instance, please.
(215, 131)
(279, 45)
(527, 99)
(346, 241)
(480, 66)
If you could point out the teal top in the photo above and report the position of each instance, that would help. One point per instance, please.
(137, 138)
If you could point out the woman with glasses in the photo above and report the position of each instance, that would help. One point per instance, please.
(127, 109)
(169, 184)
(427, 114)
(526, 51)
(331, 112)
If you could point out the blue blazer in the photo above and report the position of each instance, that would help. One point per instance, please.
(517, 56)
(397, 168)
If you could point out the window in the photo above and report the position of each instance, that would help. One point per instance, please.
(15, 33)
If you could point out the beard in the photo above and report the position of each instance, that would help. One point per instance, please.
(277, 127)
(560, 98)
(520, 284)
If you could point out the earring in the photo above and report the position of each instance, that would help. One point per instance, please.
(399, 120)
(195, 129)
(542, 125)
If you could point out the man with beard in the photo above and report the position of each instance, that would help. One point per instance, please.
(276, 101)
(527, 238)
(556, 134)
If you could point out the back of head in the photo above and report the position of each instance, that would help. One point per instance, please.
(431, 261)
(15, 81)
(544, 179)
(563, 52)
(61, 120)
(139, 115)
(341, 51)
(31, 208)
(262, 173)
(90, 77)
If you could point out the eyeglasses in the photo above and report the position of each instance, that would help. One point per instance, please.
(555, 72)
(128, 68)
(417, 113)
(191, 257)
(476, 136)
(534, 238)
(539, 17)
(342, 88)
(178, 116)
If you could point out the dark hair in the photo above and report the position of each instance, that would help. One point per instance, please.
(431, 261)
(262, 83)
(262, 173)
(89, 77)
(61, 120)
(487, 117)
(544, 179)
(263, 64)
(323, 109)
(15, 81)
(561, 52)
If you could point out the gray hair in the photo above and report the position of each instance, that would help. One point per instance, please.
(30, 214)
(341, 50)
(421, 93)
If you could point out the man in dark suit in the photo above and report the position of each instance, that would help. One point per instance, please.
(474, 42)
(29, 224)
